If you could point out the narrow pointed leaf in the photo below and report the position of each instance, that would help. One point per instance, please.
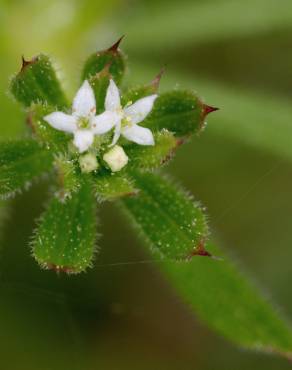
(229, 303)
(66, 236)
(37, 82)
(20, 163)
(215, 290)
(112, 57)
(151, 157)
(170, 221)
(178, 111)
(111, 186)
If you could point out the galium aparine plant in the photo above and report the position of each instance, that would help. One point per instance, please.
(105, 146)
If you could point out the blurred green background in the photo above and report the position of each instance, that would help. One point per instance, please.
(238, 56)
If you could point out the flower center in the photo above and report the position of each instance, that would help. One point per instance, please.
(126, 121)
(83, 122)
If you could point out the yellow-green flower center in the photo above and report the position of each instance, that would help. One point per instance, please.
(126, 121)
(83, 122)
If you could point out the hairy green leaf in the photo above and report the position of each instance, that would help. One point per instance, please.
(151, 157)
(68, 177)
(111, 186)
(168, 218)
(99, 82)
(45, 133)
(111, 58)
(66, 235)
(180, 112)
(229, 303)
(134, 93)
(256, 119)
(20, 162)
(37, 82)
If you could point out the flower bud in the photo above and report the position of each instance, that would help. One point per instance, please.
(116, 158)
(88, 163)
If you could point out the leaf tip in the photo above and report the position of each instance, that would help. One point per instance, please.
(25, 63)
(200, 250)
(115, 46)
(207, 109)
(60, 269)
(156, 81)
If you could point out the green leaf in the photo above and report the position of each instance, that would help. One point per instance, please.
(134, 93)
(45, 133)
(151, 157)
(68, 177)
(99, 82)
(37, 82)
(180, 112)
(255, 119)
(111, 58)
(21, 162)
(66, 236)
(168, 218)
(229, 303)
(111, 186)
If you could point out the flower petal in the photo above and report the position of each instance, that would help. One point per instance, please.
(61, 121)
(138, 134)
(117, 133)
(84, 101)
(104, 122)
(140, 109)
(112, 99)
(83, 139)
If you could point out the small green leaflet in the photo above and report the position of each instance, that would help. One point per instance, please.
(65, 239)
(21, 161)
(170, 221)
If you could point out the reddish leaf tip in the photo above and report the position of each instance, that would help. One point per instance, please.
(115, 46)
(156, 81)
(207, 109)
(200, 251)
(26, 63)
(59, 269)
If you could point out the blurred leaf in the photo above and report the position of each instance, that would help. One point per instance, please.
(151, 157)
(198, 22)
(21, 162)
(66, 236)
(37, 82)
(169, 220)
(229, 303)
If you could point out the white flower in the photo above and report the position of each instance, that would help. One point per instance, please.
(125, 120)
(116, 158)
(82, 123)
